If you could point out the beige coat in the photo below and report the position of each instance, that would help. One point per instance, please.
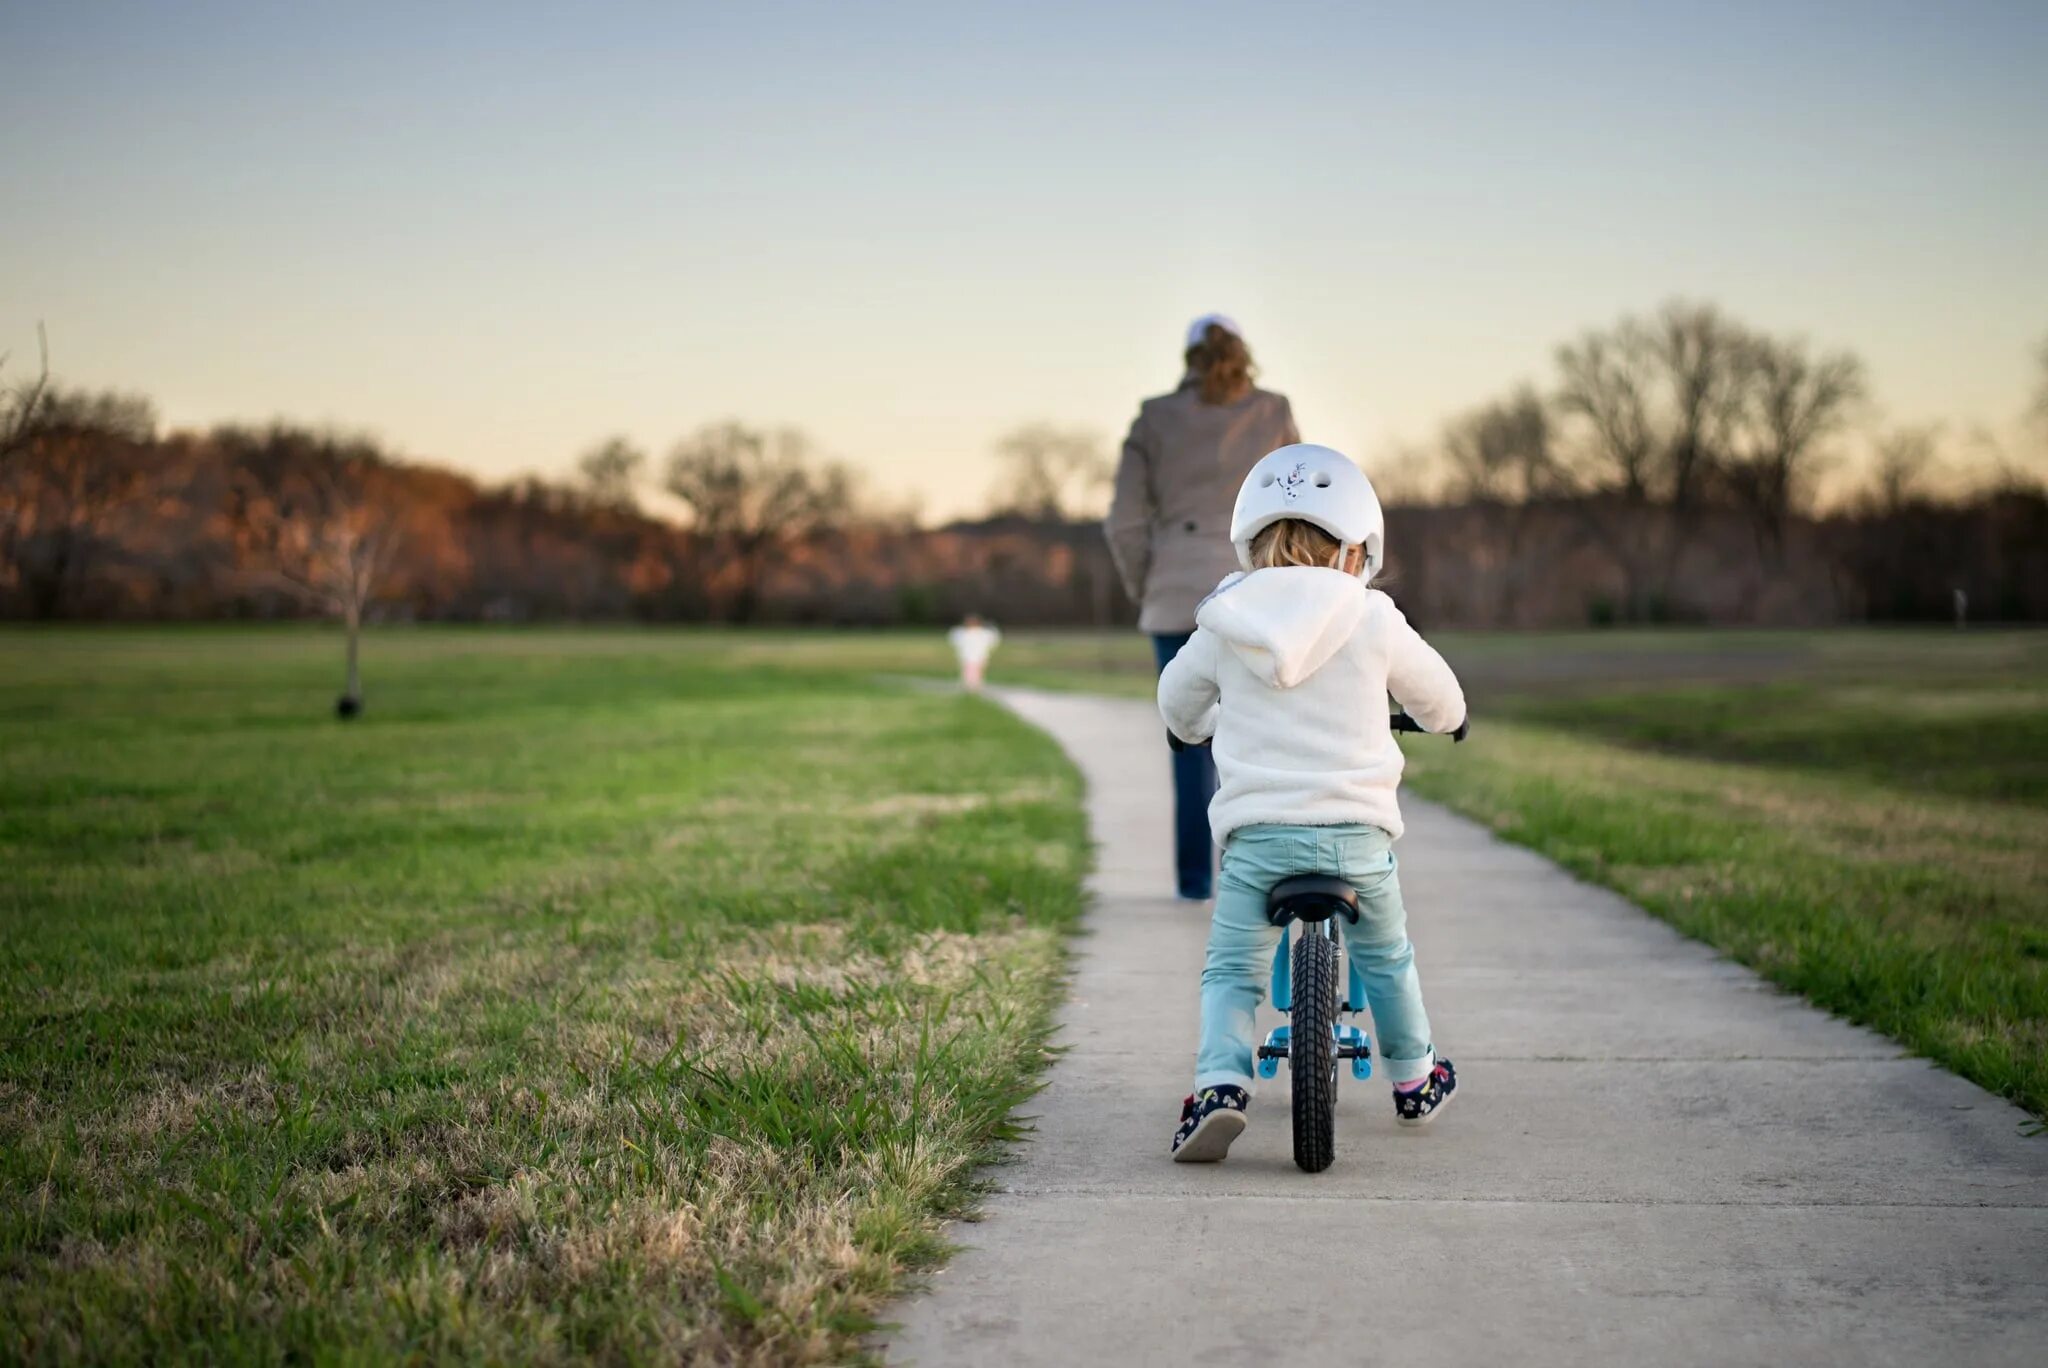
(1169, 523)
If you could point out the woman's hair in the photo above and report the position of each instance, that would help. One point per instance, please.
(1292, 541)
(1224, 365)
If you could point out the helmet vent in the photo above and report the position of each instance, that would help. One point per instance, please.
(1266, 480)
(1322, 479)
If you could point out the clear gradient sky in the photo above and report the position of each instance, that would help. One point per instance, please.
(493, 234)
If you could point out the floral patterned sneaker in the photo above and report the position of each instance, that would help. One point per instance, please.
(1419, 1107)
(1209, 1121)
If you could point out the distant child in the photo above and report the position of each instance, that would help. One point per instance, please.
(1288, 672)
(974, 641)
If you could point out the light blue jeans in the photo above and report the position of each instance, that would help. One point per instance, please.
(1242, 941)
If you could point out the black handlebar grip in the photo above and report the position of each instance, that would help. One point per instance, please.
(1402, 722)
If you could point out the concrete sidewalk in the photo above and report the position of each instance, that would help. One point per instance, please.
(1654, 1157)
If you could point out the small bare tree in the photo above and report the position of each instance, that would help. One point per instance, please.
(751, 494)
(611, 473)
(21, 405)
(1501, 452)
(304, 521)
(1705, 359)
(84, 464)
(2038, 409)
(1607, 389)
(1786, 405)
(1503, 460)
(21, 411)
(1051, 474)
(1607, 380)
(1904, 458)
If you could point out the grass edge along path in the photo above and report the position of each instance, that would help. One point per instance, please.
(1920, 917)
(631, 1008)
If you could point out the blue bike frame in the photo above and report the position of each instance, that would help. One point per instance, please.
(1350, 1039)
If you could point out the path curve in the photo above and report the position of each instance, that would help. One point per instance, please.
(1655, 1157)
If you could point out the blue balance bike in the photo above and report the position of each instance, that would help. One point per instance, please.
(1312, 910)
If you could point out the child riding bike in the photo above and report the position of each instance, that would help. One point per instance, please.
(1288, 674)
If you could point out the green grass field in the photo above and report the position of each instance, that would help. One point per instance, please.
(650, 996)
(1863, 818)
(1860, 815)
(630, 996)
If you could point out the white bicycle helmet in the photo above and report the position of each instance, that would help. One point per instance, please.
(1317, 485)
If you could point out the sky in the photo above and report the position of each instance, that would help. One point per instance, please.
(494, 234)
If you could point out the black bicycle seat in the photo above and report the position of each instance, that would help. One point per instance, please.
(1311, 898)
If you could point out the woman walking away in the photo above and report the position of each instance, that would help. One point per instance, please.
(974, 641)
(1169, 529)
(1289, 672)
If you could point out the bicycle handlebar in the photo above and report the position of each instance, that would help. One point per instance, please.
(1400, 722)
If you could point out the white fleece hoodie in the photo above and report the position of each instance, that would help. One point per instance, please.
(1289, 671)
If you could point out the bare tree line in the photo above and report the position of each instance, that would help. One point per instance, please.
(1665, 469)
(751, 495)
(102, 515)
(1650, 424)
(1657, 429)
(1049, 473)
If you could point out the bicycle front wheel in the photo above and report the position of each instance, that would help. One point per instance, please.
(1312, 1049)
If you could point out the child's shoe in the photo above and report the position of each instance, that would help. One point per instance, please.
(1209, 1121)
(1418, 1106)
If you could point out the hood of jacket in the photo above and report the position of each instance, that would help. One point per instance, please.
(1285, 623)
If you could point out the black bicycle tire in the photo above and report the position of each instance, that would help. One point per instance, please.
(1312, 1049)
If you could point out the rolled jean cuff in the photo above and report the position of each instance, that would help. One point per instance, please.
(1220, 1078)
(1402, 1070)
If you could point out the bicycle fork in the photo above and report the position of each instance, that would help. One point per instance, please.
(1352, 1042)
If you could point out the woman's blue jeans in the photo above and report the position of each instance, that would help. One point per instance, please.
(1194, 784)
(1242, 941)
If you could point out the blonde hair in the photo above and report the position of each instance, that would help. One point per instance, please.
(1294, 542)
(1223, 363)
